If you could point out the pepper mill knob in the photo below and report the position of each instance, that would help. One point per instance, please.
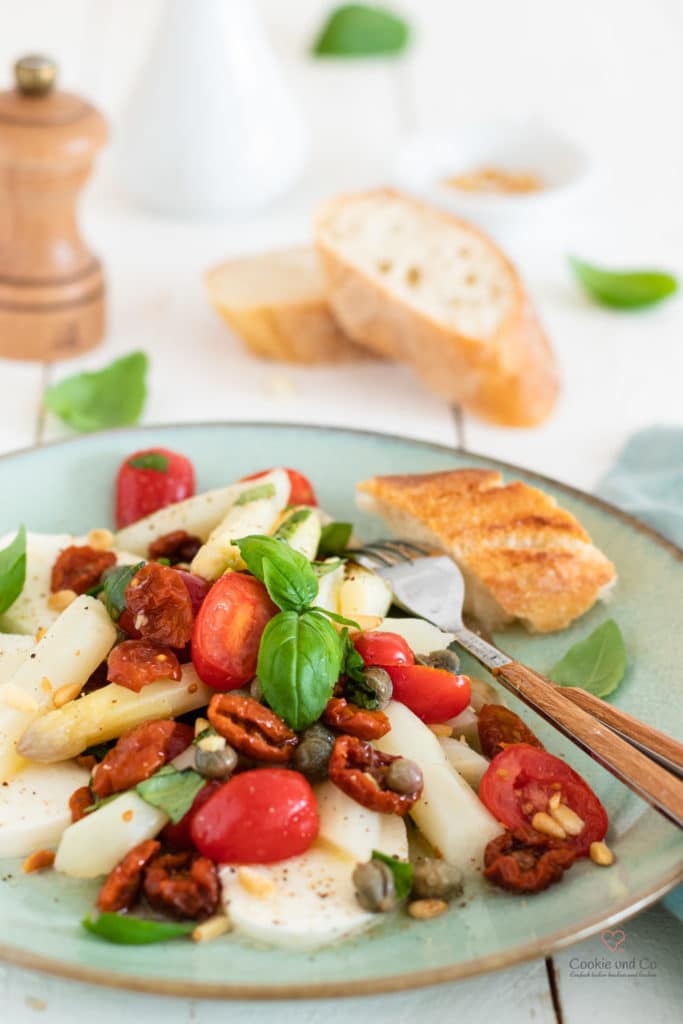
(51, 285)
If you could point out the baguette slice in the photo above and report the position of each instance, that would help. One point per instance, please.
(276, 303)
(523, 557)
(417, 285)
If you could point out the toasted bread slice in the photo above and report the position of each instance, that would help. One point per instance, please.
(523, 557)
(276, 303)
(415, 284)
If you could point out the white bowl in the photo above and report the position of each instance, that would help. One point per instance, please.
(425, 160)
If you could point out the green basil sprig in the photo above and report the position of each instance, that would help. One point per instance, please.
(113, 587)
(401, 870)
(134, 931)
(596, 664)
(13, 570)
(334, 539)
(173, 792)
(150, 460)
(358, 30)
(287, 574)
(627, 289)
(111, 397)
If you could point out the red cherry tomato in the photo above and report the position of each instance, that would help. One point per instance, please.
(301, 492)
(377, 648)
(520, 781)
(141, 490)
(177, 837)
(257, 817)
(227, 631)
(432, 694)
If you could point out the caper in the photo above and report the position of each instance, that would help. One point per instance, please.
(375, 888)
(379, 680)
(313, 753)
(447, 660)
(434, 878)
(215, 764)
(403, 776)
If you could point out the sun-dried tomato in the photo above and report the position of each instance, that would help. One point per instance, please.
(122, 887)
(160, 605)
(79, 568)
(79, 801)
(499, 728)
(251, 728)
(177, 546)
(354, 721)
(182, 885)
(139, 753)
(527, 861)
(135, 663)
(360, 771)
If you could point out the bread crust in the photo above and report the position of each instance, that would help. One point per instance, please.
(524, 557)
(511, 379)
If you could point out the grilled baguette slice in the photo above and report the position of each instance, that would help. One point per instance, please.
(276, 303)
(523, 557)
(415, 284)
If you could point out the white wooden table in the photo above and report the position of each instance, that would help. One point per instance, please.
(619, 372)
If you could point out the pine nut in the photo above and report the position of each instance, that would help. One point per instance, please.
(100, 540)
(255, 883)
(440, 729)
(568, 819)
(554, 801)
(17, 699)
(601, 854)
(212, 743)
(210, 929)
(66, 693)
(61, 599)
(40, 633)
(38, 861)
(423, 910)
(542, 822)
(200, 724)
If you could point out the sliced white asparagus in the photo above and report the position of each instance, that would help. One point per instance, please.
(466, 761)
(449, 814)
(69, 653)
(300, 528)
(344, 825)
(108, 712)
(14, 650)
(363, 593)
(422, 637)
(34, 807)
(329, 587)
(248, 515)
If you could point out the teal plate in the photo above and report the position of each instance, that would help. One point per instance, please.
(68, 487)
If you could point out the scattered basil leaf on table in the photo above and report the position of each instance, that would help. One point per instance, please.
(173, 792)
(134, 931)
(298, 665)
(110, 397)
(13, 570)
(334, 539)
(150, 460)
(113, 587)
(596, 664)
(627, 289)
(358, 30)
(401, 870)
(287, 574)
(256, 493)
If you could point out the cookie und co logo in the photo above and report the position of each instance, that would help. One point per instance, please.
(613, 939)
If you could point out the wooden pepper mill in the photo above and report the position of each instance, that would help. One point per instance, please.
(51, 285)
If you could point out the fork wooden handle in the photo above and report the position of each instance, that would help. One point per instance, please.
(640, 773)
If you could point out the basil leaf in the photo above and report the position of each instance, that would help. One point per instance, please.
(628, 289)
(255, 493)
(298, 665)
(401, 870)
(163, 561)
(596, 664)
(114, 582)
(150, 460)
(336, 618)
(111, 397)
(288, 527)
(357, 30)
(325, 568)
(287, 574)
(13, 570)
(352, 662)
(98, 750)
(134, 931)
(173, 792)
(334, 539)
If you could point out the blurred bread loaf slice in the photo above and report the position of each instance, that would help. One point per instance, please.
(415, 284)
(276, 303)
(523, 557)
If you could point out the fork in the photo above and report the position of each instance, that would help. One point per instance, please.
(432, 586)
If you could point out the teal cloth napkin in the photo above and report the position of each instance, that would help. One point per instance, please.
(647, 481)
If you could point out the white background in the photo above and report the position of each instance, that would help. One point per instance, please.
(608, 73)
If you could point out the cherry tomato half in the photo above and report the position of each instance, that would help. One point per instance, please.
(301, 492)
(432, 694)
(227, 631)
(520, 781)
(257, 817)
(178, 836)
(149, 480)
(382, 649)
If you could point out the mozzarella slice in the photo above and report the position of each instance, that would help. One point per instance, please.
(347, 827)
(422, 637)
(329, 588)
(34, 807)
(14, 650)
